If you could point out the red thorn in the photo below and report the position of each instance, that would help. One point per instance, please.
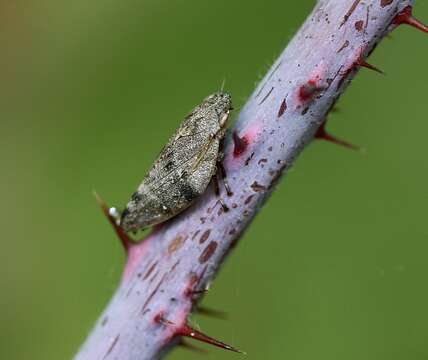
(361, 62)
(124, 238)
(186, 330)
(240, 144)
(406, 17)
(211, 312)
(324, 135)
(186, 345)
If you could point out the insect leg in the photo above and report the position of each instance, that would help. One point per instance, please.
(217, 193)
(222, 171)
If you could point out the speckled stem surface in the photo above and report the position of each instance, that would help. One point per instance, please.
(164, 273)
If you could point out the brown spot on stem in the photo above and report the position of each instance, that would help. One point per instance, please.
(385, 3)
(359, 25)
(208, 252)
(349, 12)
(205, 236)
(282, 108)
(262, 161)
(176, 244)
(257, 187)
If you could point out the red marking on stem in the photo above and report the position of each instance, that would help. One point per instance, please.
(240, 144)
(359, 25)
(406, 17)
(208, 252)
(308, 91)
(282, 108)
(124, 238)
(384, 3)
(324, 135)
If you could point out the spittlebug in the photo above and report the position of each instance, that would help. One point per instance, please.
(184, 167)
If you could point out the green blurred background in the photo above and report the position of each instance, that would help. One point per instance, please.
(334, 267)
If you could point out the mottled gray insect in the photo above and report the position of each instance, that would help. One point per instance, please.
(184, 167)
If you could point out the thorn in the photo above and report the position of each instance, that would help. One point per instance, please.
(186, 330)
(406, 17)
(362, 63)
(188, 346)
(335, 109)
(197, 292)
(124, 238)
(240, 144)
(324, 135)
(211, 312)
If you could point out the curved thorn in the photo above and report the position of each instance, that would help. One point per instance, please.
(406, 17)
(124, 238)
(365, 64)
(186, 330)
(322, 134)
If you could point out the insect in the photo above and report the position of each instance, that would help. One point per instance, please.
(184, 167)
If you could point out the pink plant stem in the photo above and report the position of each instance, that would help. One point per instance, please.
(167, 273)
